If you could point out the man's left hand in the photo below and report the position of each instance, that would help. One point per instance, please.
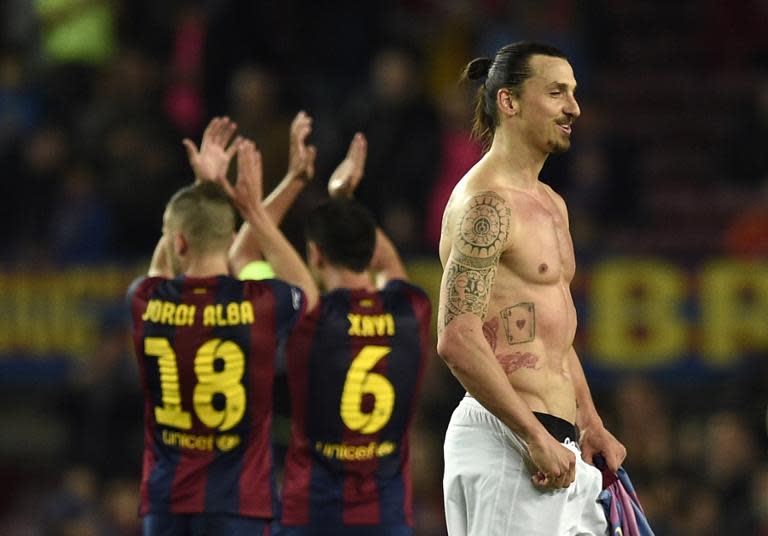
(597, 440)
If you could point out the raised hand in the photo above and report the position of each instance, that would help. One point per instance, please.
(259, 230)
(211, 161)
(301, 157)
(349, 172)
(246, 194)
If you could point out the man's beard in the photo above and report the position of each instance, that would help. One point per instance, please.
(561, 143)
(558, 146)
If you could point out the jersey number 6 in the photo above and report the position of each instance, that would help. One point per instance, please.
(361, 381)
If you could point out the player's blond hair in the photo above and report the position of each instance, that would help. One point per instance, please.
(204, 214)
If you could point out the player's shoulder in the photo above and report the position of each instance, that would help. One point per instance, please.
(485, 201)
(400, 291)
(403, 286)
(268, 283)
(556, 198)
(142, 286)
(484, 186)
(279, 288)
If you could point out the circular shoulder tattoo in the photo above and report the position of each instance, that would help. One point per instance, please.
(484, 226)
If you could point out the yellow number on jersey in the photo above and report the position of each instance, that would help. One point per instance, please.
(209, 382)
(170, 413)
(360, 381)
(226, 381)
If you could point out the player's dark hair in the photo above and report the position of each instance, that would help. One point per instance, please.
(510, 68)
(205, 214)
(345, 232)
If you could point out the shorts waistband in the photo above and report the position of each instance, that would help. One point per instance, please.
(558, 428)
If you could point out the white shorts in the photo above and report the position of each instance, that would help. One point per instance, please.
(488, 490)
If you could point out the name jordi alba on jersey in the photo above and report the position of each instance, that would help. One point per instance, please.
(214, 315)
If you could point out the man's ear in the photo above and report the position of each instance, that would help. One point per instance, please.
(315, 256)
(180, 244)
(507, 102)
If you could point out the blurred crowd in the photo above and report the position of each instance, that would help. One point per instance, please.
(96, 96)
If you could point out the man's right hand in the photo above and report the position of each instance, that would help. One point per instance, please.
(247, 192)
(554, 464)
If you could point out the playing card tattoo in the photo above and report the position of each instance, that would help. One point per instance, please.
(509, 362)
(520, 322)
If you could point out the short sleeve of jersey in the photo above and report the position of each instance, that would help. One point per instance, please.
(141, 288)
(290, 304)
(400, 285)
(134, 287)
(256, 270)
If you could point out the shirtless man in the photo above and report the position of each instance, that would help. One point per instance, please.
(506, 319)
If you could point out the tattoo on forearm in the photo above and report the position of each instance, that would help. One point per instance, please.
(481, 235)
(520, 322)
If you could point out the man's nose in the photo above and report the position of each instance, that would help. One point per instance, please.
(572, 107)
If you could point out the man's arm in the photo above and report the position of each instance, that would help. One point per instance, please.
(465, 292)
(595, 439)
(301, 170)
(246, 194)
(386, 263)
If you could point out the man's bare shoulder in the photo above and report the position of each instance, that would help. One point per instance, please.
(481, 223)
(486, 190)
(557, 198)
(479, 181)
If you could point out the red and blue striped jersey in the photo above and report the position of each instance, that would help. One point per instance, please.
(623, 511)
(206, 349)
(355, 365)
